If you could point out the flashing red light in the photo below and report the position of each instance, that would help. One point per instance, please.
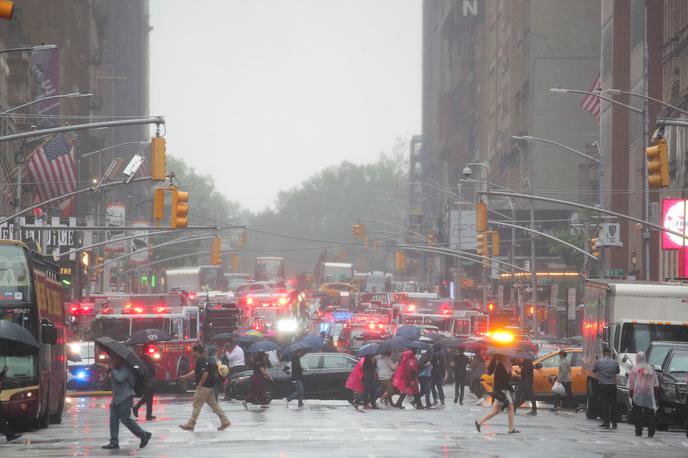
(490, 306)
(161, 309)
(411, 308)
(531, 310)
(372, 325)
(151, 350)
(283, 301)
(133, 309)
(192, 296)
(249, 300)
(445, 311)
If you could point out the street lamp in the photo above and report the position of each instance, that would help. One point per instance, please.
(70, 95)
(41, 47)
(561, 90)
(645, 97)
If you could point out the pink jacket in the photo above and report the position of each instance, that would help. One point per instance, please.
(406, 376)
(354, 382)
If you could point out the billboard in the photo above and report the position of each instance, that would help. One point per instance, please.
(462, 231)
(674, 218)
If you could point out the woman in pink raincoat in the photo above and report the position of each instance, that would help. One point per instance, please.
(355, 382)
(406, 379)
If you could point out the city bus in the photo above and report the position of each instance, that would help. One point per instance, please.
(33, 391)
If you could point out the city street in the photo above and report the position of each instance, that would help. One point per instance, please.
(333, 428)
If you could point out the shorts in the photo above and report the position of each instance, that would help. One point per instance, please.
(387, 386)
(504, 397)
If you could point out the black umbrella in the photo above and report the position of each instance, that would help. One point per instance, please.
(419, 345)
(149, 335)
(111, 346)
(262, 346)
(16, 333)
(409, 331)
(451, 342)
(372, 348)
(225, 336)
(394, 344)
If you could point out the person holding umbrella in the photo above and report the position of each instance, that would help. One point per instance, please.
(500, 368)
(406, 379)
(460, 362)
(205, 394)
(258, 390)
(236, 362)
(123, 380)
(385, 370)
(296, 379)
(369, 380)
(147, 397)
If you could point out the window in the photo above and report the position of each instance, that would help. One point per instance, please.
(337, 362)
(552, 361)
(679, 362)
(607, 49)
(636, 337)
(193, 323)
(116, 328)
(310, 361)
(657, 355)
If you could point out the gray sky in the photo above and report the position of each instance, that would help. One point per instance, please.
(262, 94)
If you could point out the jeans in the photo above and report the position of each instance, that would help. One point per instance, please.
(526, 393)
(569, 396)
(202, 396)
(297, 392)
(425, 389)
(147, 399)
(122, 413)
(437, 382)
(607, 396)
(643, 416)
(459, 384)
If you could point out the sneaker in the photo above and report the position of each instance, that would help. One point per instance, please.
(455, 401)
(514, 431)
(300, 406)
(224, 426)
(151, 418)
(13, 437)
(461, 403)
(145, 439)
(477, 425)
(532, 413)
(135, 411)
(264, 406)
(186, 427)
(110, 446)
(286, 403)
(604, 425)
(245, 404)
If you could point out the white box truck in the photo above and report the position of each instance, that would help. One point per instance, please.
(625, 317)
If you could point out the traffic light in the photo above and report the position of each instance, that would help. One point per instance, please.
(236, 263)
(495, 243)
(431, 239)
(180, 209)
(481, 216)
(157, 153)
(400, 260)
(658, 165)
(491, 307)
(481, 244)
(594, 247)
(6, 9)
(358, 231)
(216, 252)
(531, 310)
(158, 204)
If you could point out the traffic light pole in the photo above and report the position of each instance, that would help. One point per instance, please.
(533, 271)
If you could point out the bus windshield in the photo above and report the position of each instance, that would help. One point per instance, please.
(15, 280)
(21, 363)
(636, 337)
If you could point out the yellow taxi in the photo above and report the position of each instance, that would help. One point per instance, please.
(545, 371)
(334, 289)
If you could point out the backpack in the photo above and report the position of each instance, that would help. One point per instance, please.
(140, 386)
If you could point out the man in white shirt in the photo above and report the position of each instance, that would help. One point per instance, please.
(236, 362)
(385, 371)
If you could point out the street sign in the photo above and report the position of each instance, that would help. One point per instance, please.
(616, 273)
(610, 234)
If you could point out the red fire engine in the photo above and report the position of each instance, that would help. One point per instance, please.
(171, 358)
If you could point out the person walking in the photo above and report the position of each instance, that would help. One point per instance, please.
(459, 364)
(424, 379)
(236, 362)
(526, 386)
(477, 369)
(369, 380)
(5, 428)
(500, 369)
(296, 379)
(147, 397)
(354, 383)
(606, 369)
(385, 371)
(257, 393)
(439, 371)
(406, 379)
(564, 378)
(123, 380)
(642, 385)
(204, 375)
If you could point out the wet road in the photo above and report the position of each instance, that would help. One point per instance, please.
(335, 429)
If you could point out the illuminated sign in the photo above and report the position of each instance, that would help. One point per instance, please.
(674, 219)
(65, 271)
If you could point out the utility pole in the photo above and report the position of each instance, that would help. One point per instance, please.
(533, 271)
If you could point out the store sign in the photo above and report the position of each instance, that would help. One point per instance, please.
(674, 219)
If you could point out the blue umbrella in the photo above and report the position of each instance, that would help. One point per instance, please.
(247, 339)
(296, 346)
(372, 348)
(262, 346)
(419, 345)
(394, 344)
(314, 341)
(409, 332)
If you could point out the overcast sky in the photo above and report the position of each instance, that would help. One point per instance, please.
(261, 94)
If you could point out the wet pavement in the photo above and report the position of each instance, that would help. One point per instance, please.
(335, 429)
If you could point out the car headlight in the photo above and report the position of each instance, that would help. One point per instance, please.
(669, 389)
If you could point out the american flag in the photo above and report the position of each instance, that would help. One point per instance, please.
(590, 103)
(53, 170)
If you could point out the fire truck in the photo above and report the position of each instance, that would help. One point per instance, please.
(171, 358)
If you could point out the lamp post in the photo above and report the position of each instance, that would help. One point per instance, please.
(646, 187)
(70, 95)
(41, 47)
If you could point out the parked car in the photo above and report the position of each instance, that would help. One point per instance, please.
(673, 389)
(324, 376)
